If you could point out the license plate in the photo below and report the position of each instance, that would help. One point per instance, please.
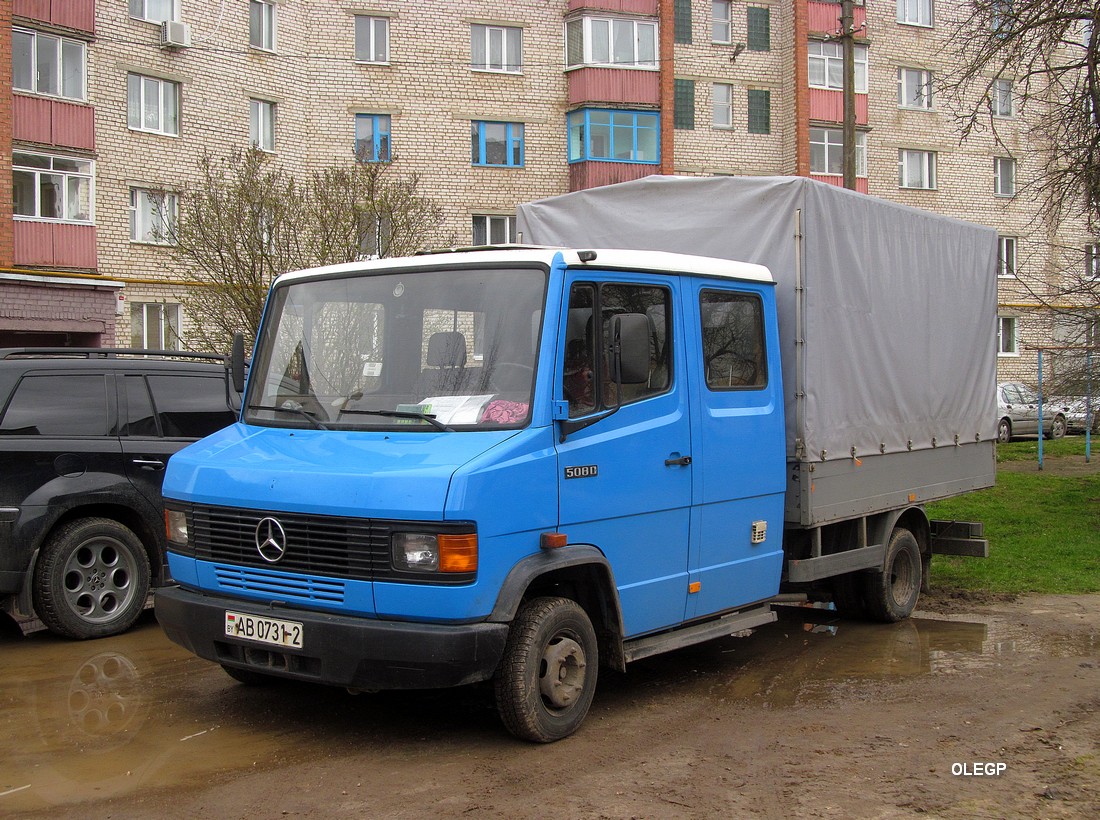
(263, 630)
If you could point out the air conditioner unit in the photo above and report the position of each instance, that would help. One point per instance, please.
(174, 34)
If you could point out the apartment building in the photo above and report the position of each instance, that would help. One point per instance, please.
(112, 103)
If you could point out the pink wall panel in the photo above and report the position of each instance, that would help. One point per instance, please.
(53, 244)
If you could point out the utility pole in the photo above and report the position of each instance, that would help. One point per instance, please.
(847, 35)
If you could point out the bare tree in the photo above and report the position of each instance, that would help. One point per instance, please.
(246, 220)
(1041, 59)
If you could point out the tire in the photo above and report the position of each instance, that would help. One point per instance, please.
(91, 580)
(891, 594)
(547, 676)
(1004, 431)
(1057, 427)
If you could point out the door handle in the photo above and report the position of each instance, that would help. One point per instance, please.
(682, 461)
(149, 463)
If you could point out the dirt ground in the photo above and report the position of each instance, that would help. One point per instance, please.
(992, 713)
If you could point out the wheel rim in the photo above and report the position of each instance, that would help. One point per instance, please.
(99, 580)
(1004, 432)
(562, 672)
(903, 579)
(1058, 428)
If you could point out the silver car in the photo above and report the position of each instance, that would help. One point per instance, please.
(1018, 413)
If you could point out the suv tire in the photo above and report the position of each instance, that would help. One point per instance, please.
(91, 579)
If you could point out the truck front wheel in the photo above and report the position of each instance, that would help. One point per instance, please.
(547, 677)
(891, 594)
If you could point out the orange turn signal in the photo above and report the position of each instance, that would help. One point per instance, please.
(458, 553)
(553, 540)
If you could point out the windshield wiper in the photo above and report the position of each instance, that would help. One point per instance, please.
(403, 414)
(291, 406)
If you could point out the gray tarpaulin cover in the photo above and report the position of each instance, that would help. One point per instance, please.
(899, 310)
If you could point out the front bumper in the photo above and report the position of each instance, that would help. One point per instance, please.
(358, 653)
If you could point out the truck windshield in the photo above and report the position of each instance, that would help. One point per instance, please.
(416, 350)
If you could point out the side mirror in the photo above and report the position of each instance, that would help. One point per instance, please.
(236, 362)
(630, 348)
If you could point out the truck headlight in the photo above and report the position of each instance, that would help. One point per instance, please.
(175, 526)
(435, 552)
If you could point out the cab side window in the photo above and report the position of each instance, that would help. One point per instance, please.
(733, 340)
(191, 406)
(588, 383)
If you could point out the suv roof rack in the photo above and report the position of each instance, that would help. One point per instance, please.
(103, 353)
(512, 246)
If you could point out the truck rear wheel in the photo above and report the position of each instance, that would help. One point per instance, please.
(891, 594)
(91, 579)
(547, 677)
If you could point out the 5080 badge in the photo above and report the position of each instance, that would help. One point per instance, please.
(263, 630)
(584, 471)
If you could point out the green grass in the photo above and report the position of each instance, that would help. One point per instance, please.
(1028, 449)
(1043, 529)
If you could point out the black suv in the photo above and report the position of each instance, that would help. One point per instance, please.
(85, 435)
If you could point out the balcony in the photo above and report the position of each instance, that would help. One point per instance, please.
(53, 122)
(647, 7)
(613, 86)
(593, 174)
(824, 18)
(74, 14)
(828, 106)
(54, 245)
(838, 181)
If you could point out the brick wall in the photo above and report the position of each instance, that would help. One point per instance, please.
(7, 236)
(86, 313)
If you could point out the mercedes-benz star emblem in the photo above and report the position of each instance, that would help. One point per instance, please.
(270, 540)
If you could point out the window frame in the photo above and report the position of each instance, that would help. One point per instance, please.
(507, 66)
(762, 27)
(1001, 101)
(929, 163)
(760, 366)
(718, 24)
(683, 105)
(906, 92)
(827, 62)
(262, 117)
(766, 113)
(586, 154)
(1013, 348)
(587, 22)
(381, 139)
(716, 105)
(87, 177)
(999, 178)
(1007, 251)
(1092, 261)
(834, 141)
(923, 11)
(164, 322)
(145, 222)
(486, 229)
(143, 13)
(512, 141)
(263, 28)
(372, 23)
(59, 64)
(139, 105)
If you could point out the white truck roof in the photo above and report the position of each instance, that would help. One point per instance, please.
(604, 258)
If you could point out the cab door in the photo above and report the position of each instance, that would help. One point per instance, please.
(625, 480)
(739, 455)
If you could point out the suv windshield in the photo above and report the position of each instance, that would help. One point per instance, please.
(411, 350)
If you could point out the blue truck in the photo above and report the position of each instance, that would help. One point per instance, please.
(523, 464)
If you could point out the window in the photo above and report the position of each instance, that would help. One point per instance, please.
(155, 11)
(53, 188)
(914, 88)
(190, 406)
(261, 124)
(1001, 21)
(759, 22)
(760, 112)
(1006, 336)
(496, 143)
(681, 18)
(683, 116)
(152, 104)
(1006, 256)
(722, 105)
(45, 64)
(915, 12)
(494, 230)
(720, 22)
(587, 384)
(733, 340)
(615, 136)
(916, 169)
(155, 326)
(372, 137)
(261, 25)
(1004, 176)
(827, 66)
(827, 151)
(611, 42)
(1092, 261)
(153, 216)
(69, 405)
(372, 39)
(1002, 98)
(496, 48)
